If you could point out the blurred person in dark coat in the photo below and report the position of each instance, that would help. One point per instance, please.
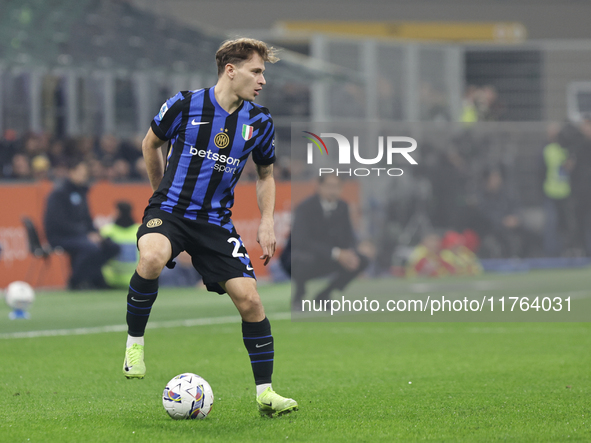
(323, 242)
(68, 224)
(500, 224)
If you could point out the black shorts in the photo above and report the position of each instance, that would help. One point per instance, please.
(217, 253)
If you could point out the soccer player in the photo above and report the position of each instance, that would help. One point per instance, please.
(210, 134)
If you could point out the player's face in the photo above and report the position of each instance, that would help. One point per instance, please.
(249, 79)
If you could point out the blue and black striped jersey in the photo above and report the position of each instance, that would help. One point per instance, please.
(207, 152)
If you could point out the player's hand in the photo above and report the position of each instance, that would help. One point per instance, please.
(266, 238)
(348, 259)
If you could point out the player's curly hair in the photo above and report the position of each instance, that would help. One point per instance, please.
(241, 49)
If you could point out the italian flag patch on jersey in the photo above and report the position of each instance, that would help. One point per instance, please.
(247, 132)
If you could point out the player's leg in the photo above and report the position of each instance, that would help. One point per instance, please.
(258, 340)
(155, 251)
(256, 328)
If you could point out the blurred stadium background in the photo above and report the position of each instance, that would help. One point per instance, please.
(86, 76)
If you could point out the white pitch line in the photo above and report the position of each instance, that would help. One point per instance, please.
(122, 328)
(205, 321)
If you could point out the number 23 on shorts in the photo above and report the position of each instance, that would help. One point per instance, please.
(235, 253)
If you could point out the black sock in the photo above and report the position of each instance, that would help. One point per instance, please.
(259, 344)
(140, 298)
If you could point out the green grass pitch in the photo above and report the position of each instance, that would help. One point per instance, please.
(357, 382)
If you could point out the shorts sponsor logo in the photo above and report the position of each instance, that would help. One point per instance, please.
(155, 222)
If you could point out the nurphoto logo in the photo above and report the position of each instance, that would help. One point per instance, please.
(394, 145)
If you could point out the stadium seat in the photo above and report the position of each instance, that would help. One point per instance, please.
(40, 251)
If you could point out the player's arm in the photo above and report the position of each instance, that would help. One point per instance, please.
(153, 158)
(266, 200)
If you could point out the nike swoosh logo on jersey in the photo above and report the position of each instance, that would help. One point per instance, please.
(260, 346)
(249, 268)
(196, 123)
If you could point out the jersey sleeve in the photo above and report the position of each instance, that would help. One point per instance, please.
(167, 122)
(264, 153)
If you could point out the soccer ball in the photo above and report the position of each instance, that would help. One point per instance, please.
(187, 396)
(19, 295)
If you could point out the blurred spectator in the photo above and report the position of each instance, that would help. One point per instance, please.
(131, 150)
(41, 167)
(323, 242)
(487, 103)
(426, 261)
(471, 240)
(20, 168)
(8, 147)
(68, 224)
(116, 171)
(44, 140)
(481, 104)
(108, 160)
(389, 100)
(581, 184)
(449, 177)
(141, 171)
(558, 205)
(84, 147)
(118, 271)
(469, 110)
(458, 256)
(348, 101)
(57, 152)
(290, 99)
(433, 104)
(31, 145)
(499, 222)
(283, 169)
(108, 148)
(114, 166)
(97, 170)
